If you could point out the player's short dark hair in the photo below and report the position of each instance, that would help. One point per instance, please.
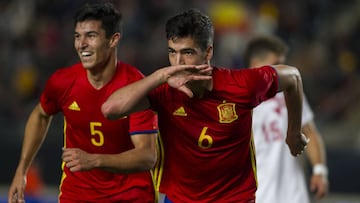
(191, 23)
(261, 45)
(105, 12)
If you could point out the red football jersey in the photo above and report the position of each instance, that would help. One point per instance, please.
(69, 91)
(207, 142)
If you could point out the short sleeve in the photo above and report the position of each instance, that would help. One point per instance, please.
(143, 122)
(49, 98)
(262, 83)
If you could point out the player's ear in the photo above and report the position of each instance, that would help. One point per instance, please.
(209, 53)
(114, 40)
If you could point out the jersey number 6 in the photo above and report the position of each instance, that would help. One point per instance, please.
(205, 141)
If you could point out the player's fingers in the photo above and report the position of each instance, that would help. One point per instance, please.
(17, 197)
(67, 156)
(67, 152)
(71, 165)
(21, 197)
(207, 70)
(300, 153)
(320, 193)
(187, 91)
(66, 159)
(203, 67)
(11, 198)
(300, 150)
(176, 69)
(75, 168)
(201, 77)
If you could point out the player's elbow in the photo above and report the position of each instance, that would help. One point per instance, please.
(295, 78)
(289, 77)
(111, 111)
(150, 162)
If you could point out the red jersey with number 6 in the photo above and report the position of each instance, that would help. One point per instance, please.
(207, 142)
(69, 91)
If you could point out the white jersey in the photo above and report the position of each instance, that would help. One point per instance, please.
(280, 175)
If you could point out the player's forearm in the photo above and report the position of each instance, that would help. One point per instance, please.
(293, 102)
(131, 161)
(132, 97)
(290, 82)
(316, 149)
(35, 131)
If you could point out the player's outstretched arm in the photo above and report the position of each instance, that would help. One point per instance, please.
(291, 84)
(132, 97)
(35, 131)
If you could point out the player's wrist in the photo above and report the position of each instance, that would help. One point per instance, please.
(320, 169)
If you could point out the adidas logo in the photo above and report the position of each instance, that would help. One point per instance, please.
(74, 106)
(180, 112)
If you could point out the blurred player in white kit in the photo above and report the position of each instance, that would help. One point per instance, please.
(281, 178)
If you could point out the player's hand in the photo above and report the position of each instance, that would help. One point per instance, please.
(78, 160)
(179, 76)
(297, 143)
(17, 188)
(319, 185)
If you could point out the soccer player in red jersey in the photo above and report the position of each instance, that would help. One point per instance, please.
(204, 115)
(92, 142)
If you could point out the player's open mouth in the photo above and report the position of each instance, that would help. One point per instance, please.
(85, 53)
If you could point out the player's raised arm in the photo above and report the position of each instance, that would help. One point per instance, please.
(290, 82)
(132, 97)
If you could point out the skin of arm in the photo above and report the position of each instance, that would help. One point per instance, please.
(35, 133)
(316, 155)
(291, 84)
(132, 97)
(142, 157)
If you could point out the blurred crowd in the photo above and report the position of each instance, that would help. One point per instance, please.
(36, 38)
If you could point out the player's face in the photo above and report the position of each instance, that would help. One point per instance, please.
(93, 48)
(184, 51)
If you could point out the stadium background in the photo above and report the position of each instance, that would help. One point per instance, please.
(36, 38)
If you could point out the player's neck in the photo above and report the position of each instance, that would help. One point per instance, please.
(200, 88)
(99, 77)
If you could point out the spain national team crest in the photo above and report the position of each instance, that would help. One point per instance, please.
(227, 113)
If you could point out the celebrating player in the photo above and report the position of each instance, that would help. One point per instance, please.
(208, 150)
(92, 142)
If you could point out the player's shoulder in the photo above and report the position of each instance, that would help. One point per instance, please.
(69, 71)
(128, 70)
(65, 76)
(229, 73)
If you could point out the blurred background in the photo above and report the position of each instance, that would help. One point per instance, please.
(36, 38)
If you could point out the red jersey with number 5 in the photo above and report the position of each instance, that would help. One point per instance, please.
(69, 91)
(207, 142)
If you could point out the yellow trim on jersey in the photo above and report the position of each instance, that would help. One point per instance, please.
(158, 169)
(156, 197)
(63, 176)
(253, 157)
(253, 153)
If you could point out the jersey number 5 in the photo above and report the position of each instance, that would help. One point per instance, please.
(97, 138)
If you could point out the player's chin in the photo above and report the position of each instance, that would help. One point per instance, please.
(87, 64)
